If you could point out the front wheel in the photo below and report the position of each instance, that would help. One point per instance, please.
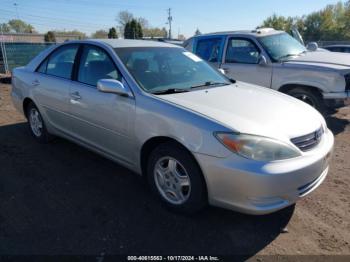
(310, 97)
(176, 178)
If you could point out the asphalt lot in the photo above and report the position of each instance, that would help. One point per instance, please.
(62, 199)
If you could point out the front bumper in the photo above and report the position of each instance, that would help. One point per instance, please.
(259, 188)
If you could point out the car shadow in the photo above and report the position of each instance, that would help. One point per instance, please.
(335, 124)
(60, 198)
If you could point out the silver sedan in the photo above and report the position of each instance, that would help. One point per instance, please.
(163, 112)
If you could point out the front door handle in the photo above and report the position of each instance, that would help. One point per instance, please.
(75, 96)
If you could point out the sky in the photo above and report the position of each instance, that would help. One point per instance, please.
(188, 15)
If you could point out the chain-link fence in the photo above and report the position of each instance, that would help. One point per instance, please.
(18, 49)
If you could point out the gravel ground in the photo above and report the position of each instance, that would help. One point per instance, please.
(62, 199)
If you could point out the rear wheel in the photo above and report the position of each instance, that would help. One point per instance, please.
(176, 178)
(310, 97)
(36, 124)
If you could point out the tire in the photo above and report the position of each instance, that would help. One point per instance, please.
(36, 124)
(311, 97)
(172, 168)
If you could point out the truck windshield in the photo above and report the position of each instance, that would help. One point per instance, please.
(281, 46)
(164, 69)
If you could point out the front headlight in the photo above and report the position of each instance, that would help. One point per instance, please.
(257, 147)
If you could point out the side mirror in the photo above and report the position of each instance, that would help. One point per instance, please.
(312, 46)
(262, 60)
(112, 86)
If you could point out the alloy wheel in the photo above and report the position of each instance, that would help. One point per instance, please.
(35, 121)
(172, 180)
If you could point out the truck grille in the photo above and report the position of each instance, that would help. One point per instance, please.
(309, 141)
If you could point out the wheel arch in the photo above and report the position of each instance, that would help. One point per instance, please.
(26, 102)
(153, 143)
(288, 87)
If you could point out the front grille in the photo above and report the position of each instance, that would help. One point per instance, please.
(309, 141)
(347, 82)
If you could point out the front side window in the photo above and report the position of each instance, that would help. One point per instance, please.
(242, 51)
(60, 63)
(209, 49)
(163, 68)
(281, 46)
(95, 65)
(43, 66)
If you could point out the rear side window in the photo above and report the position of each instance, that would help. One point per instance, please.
(60, 62)
(242, 51)
(95, 64)
(209, 49)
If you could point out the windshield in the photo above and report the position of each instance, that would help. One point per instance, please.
(158, 69)
(281, 46)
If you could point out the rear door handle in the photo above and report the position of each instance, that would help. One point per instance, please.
(35, 82)
(75, 96)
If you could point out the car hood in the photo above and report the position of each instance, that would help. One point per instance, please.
(250, 109)
(319, 57)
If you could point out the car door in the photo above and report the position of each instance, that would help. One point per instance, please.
(52, 81)
(101, 120)
(242, 61)
(210, 49)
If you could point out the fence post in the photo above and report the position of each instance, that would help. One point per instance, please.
(3, 51)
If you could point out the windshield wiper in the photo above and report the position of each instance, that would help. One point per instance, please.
(209, 83)
(169, 91)
(288, 55)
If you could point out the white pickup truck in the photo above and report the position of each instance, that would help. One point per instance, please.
(274, 59)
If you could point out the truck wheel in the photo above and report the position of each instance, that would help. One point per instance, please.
(175, 177)
(311, 97)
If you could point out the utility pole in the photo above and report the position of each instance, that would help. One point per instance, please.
(170, 19)
(16, 7)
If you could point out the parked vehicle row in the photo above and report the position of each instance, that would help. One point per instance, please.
(197, 135)
(338, 48)
(274, 59)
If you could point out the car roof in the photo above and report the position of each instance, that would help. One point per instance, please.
(121, 43)
(257, 32)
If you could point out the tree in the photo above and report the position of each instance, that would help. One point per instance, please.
(123, 18)
(143, 22)
(50, 37)
(112, 33)
(181, 37)
(139, 32)
(155, 32)
(133, 30)
(4, 28)
(20, 26)
(75, 33)
(99, 34)
(197, 32)
(330, 23)
(278, 22)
